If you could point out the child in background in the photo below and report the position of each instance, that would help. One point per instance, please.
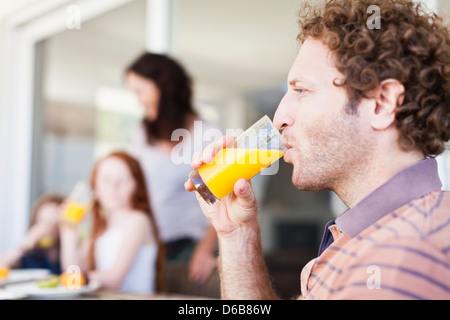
(40, 247)
(124, 251)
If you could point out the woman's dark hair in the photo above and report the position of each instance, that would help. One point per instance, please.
(174, 85)
(411, 45)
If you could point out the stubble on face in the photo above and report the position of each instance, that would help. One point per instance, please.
(327, 136)
(330, 152)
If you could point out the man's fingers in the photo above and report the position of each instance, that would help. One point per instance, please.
(189, 186)
(211, 150)
(197, 159)
(243, 191)
(208, 154)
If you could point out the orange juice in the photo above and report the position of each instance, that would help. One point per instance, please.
(4, 271)
(74, 212)
(46, 242)
(232, 164)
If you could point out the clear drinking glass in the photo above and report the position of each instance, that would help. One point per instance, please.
(252, 151)
(79, 202)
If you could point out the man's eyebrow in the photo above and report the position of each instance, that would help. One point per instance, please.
(294, 81)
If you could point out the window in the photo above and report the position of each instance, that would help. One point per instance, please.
(82, 107)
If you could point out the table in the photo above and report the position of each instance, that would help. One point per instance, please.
(104, 294)
(18, 291)
(22, 283)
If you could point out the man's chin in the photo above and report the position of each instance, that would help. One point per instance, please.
(303, 184)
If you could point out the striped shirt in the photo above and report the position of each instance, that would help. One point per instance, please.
(394, 244)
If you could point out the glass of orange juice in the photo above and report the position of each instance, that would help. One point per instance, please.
(4, 271)
(78, 203)
(252, 151)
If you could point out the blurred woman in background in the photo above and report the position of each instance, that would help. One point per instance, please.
(164, 90)
(40, 247)
(124, 251)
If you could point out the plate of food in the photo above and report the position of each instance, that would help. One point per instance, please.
(6, 295)
(8, 276)
(54, 287)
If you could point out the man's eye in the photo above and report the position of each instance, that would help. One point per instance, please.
(299, 91)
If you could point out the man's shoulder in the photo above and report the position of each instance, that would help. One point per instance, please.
(424, 220)
(407, 252)
(432, 202)
(398, 268)
(422, 225)
(403, 251)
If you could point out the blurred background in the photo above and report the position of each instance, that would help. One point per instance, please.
(63, 99)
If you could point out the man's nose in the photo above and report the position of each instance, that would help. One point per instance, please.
(282, 118)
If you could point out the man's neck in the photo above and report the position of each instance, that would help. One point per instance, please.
(373, 174)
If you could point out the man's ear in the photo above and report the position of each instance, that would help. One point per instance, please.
(388, 95)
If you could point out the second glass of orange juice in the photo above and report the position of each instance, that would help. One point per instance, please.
(79, 202)
(255, 149)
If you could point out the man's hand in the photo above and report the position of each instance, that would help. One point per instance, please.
(235, 217)
(234, 210)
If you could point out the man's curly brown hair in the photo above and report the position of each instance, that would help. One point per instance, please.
(411, 46)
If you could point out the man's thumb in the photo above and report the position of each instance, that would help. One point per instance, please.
(244, 193)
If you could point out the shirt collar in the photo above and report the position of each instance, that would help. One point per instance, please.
(409, 184)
